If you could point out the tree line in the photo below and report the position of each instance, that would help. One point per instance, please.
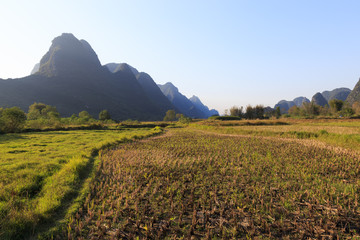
(253, 112)
(41, 115)
(335, 108)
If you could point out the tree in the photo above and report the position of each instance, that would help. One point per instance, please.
(294, 111)
(250, 112)
(236, 111)
(170, 115)
(347, 110)
(336, 105)
(310, 109)
(277, 112)
(84, 114)
(104, 115)
(259, 111)
(41, 110)
(183, 119)
(12, 119)
(355, 107)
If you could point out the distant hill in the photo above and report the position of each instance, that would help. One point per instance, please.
(182, 103)
(300, 100)
(71, 77)
(199, 105)
(354, 95)
(337, 93)
(151, 89)
(167, 96)
(286, 105)
(319, 99)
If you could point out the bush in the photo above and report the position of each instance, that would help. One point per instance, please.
(170, 115)
(104, 115)
(12, 119)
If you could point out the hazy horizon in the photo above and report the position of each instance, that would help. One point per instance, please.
(226, 53)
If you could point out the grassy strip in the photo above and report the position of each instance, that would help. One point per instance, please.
(28, 200)
(79, 196)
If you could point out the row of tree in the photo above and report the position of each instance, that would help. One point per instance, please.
(41, 115)
(250, 112)
(335, 108)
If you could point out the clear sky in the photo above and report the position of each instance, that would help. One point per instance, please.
(225, 52)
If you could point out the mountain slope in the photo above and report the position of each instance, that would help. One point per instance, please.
(199, 105)
(150, 88)
(354, 95)
(300, 100)
(153, 92)
(319, 99)
(337, 93)
(71, 78)
(35, 69)
(182, 103)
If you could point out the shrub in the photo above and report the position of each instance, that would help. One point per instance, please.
(12, 119)
(104, 115)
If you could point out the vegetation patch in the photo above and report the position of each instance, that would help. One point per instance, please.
(40, 173)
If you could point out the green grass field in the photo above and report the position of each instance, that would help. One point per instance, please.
(42, 173)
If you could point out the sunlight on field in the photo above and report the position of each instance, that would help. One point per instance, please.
(39, 171)
(341, 133)
(205, 185)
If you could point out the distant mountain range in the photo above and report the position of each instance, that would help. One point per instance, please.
(192, 107)
(71, 77)
(320, 99)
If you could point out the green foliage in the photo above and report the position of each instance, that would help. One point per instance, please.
(183, 119)
(256, 112)
(336, 105)
(12, 119)
(84, 115)
(356, 108)
(277, 112)
(294, 111)
(104, 115)
(41, 110)
(170, 115)
(236, 111)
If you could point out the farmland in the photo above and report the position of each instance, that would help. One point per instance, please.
(210, 181)
(42, 174)
(271, 179)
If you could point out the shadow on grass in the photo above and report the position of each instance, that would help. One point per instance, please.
(11, 137)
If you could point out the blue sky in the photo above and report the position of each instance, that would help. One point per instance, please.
(226, 52)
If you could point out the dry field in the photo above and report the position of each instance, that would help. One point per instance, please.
(209, 182)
